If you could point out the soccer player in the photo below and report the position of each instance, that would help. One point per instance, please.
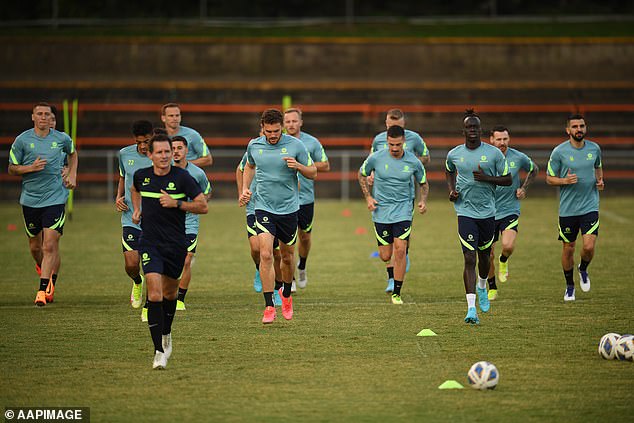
(192, 221)
(507, 204)
(37, 156)
(478, 168)
(413, 143)
(293, 124)
(274, 159)
(252, 236)
(161, 192)
(575, 166)
(131, 159)
(392, 203)
(199, 153)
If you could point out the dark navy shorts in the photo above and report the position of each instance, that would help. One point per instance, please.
(281, 226)
(166, 260)
(251, 230)
(192, 242)
(305, 217)
(475, 234)
(507, 223)
(386, 232)
(38, 218)
(130, 239)
(570, 226)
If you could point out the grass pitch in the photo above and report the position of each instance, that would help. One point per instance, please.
(348, 354)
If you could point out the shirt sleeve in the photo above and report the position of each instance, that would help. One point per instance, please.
(449, 164)
(527, 163)
(198, 145)
(69, 145)
(419, 147)
(368, 165)
(554, 164)
(501, 165)
(598, 163)
(16, 154)
(375, 144)
(121, 168)
(419, 173)
(319, 154)
(135, 180)
(191, 187)
(204, 183)
(243, 162)
(302, 155)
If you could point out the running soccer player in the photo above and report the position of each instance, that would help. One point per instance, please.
(274, 159)
(507, 204)
(131, 159)
(575, 167)
(478, 168)
(37, 156)
(161, 192)
(252, 236)
(293, 124)
(199, 153)
(392, 204)
(413, 143)
(192, 221)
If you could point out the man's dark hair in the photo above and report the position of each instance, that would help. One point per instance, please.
(395, 131)
(271, 116)
(141, 128)
(574, 116)
(159, 138)
(43, 104)
(54, 110)
(159, 131)
(499, 128)
(181, 139)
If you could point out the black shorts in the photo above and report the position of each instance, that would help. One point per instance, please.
(386, 232)
(475, 233)
(305, 217)
(281, 226)
(192, 242)
(251, 230)
(166, 260)
(38, 218)
(569, 226)
(130, 239)
(507, 223)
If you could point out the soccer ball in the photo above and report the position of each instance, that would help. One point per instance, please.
(607, 345)
(624, 348)
(483, 375)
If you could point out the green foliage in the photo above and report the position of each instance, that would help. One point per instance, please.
(348, 354)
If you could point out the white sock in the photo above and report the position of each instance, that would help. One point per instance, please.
(471, 300)
(482, 283)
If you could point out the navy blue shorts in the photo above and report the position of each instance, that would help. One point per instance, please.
(130, 239)
(305, 217)
(507, 223)
(569, 226)
(166, 260)
(252, 231)
(192, 242)
(475, 233)
(38, 218)
(281, 226)
(386, 232)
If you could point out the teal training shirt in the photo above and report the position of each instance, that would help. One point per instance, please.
(196, 146)
(317, 154)
(413, 142)
(192, 220)
(477, 199)
(393, 180)
(130, 160)
(506, 202)
(45, 187)
(277, 184)
(583, 197)
(250, 207)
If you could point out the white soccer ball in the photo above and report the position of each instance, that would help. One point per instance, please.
(483, 375)
(607, 345)
(624, 348)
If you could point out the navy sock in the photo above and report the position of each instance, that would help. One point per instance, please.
(155, 323)
(55, 278)
(43, 284)
(268, 299)
(278, 285)
(397, 287)
(137, 279)
(390, 272)
(287, 289)
(302, 263)
(584, 265)
(181, 294)
(503, 258)
(169, 309)
(569, 279)
(492, 284)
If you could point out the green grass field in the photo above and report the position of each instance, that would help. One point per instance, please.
(348, 354)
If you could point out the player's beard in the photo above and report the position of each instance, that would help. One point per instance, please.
(578, 136)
